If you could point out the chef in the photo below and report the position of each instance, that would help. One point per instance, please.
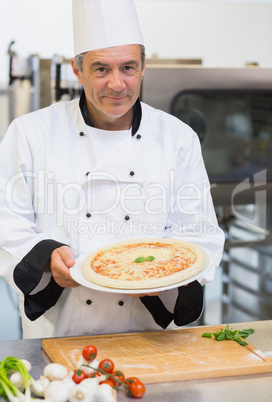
(81, 174)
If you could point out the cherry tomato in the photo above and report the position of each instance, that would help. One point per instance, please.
(106, 365)
(130, 380)
(94, 374)
(137, 389)
(89, 353)
(108, 381)
(118, 376)
(78, 376)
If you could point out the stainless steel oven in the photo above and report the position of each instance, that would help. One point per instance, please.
(230, 109)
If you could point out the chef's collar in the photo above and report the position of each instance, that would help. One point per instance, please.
(137, 114)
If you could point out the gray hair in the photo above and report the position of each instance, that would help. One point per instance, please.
(79, 58)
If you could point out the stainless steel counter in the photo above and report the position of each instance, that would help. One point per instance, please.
(229, 389)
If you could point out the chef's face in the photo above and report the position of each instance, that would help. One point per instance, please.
(111, 79)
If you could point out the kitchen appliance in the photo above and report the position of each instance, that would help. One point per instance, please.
(65, 83)
(230, 110)
(29, 86)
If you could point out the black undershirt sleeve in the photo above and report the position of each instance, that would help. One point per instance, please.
(28, 273)
(189, 304)
(188, 307)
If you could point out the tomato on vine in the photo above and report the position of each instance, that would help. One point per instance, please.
(118, 376)
(94, 374)
(130, 380)
(133, 385)
(89, 353)
(137, 389)
(78, 376)
(106, 365)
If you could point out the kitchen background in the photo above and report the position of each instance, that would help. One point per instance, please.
(203, 39)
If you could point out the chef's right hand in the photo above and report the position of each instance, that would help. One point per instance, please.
(62, 260)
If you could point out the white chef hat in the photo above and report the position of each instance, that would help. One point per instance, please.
(99, 24)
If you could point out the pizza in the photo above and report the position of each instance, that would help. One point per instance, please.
(144, 263)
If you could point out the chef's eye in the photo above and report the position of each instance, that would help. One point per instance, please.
(128, 68)
(101, 70)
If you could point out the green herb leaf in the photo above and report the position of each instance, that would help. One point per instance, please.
(230, 334)
(150, 258)
(207, 335)
(245, 333)
(240, 341)
(222, 336)
(140, 259)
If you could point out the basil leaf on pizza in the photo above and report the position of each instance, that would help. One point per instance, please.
(140, 260)
(144, 263)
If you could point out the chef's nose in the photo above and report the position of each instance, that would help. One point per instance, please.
(116, 81)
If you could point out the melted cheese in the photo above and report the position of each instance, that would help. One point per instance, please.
(119, 263)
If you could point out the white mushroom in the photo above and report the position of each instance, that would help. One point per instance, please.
(56, 391)
(27, 364)
(17, 379)
(105, 393)
(55, 371)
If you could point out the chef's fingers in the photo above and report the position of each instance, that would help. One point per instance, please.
(61, 261)
(66, 255)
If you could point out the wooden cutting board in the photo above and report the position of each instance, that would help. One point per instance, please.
(165, 356)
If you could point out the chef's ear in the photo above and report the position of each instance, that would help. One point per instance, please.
(143, 70)
(76, 70)
(143, 66)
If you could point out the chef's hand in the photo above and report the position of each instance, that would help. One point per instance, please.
(62, 260)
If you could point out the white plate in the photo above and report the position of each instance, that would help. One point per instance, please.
(77, 275)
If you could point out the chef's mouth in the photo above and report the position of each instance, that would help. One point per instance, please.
(116, 97)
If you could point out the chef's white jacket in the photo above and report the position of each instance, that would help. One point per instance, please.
(63, 181)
